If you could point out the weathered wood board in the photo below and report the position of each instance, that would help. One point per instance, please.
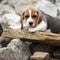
(44, 37)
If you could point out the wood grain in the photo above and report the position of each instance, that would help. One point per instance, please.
(45, 37)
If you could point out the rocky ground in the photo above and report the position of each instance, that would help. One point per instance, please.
(52, 7)
(18, 50)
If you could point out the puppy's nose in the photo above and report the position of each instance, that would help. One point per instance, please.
(30, 23)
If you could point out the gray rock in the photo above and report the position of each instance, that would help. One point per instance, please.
(54, 59)
(1, 39)
(20, 49)
(57, 1)
(6, 9)
(15, 50)
(3, 2)
(9, 18)
(58, 8)
(23, 3)
(19, 4)
(48, 8)
(57, 53)
(5, 42)
(42, 48)
(0, 46)
(53, 1)
(58, 4)
(12, 2)
(7, 54)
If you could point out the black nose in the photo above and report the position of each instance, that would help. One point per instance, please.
(31, 23)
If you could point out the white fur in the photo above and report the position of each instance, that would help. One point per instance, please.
(30, 12)
(42, 26)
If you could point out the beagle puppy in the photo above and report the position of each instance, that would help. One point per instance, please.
(34, 20)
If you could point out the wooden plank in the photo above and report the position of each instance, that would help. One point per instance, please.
(44, 37)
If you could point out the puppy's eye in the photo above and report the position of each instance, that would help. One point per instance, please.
(34, 16)
(26, 16)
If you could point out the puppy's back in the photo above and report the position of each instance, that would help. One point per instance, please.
(53, 24)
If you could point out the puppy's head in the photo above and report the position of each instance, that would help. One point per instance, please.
(30, 17)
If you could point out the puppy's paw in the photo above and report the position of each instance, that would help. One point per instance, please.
(32, 30)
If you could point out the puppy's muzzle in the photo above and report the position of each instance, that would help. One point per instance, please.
(30, 23)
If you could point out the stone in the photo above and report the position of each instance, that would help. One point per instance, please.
(58, 2)
(57, 53)
(6, 9)
(6, 54)
(10, 20)
(47, 7)
(12, 3)
(20, 3)
(42, 48)
(40, 56)
(0, 46)
(0, 0)
(58, 8)
(15, 50)
(3, 2)
(5, 42)
(23, 3)
(20, 49)
(53, 1)
(54, 59)
(1, 39)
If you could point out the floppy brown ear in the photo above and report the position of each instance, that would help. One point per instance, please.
(22, 18)
(40, 16)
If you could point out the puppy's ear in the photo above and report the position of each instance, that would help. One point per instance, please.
(22, 18)
(40, 16)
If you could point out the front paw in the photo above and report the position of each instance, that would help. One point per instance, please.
(32, 30)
